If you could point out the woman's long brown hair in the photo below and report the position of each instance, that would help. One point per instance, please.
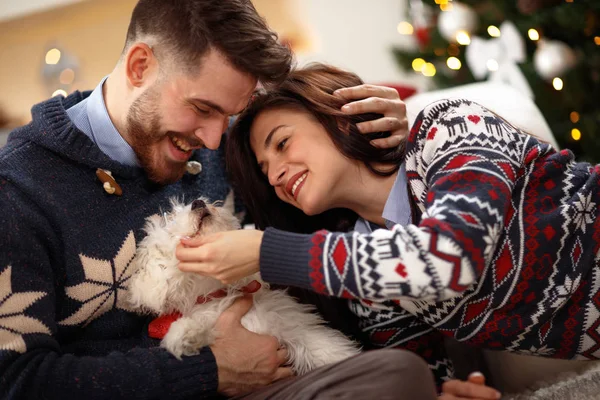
(308, 90)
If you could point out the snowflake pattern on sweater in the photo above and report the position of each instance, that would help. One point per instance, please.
(505, 254)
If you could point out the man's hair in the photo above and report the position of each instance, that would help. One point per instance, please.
(183, 31)
(308, 90)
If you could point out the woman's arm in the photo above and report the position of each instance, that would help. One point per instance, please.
(462, 164)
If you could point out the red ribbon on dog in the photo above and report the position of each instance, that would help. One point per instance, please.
(158, 328)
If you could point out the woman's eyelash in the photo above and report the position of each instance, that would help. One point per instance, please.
(281, 144)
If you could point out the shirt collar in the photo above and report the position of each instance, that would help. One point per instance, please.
(103, 131)
(397, 206)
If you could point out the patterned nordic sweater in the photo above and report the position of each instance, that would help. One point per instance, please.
(65, 328)
(504, 253)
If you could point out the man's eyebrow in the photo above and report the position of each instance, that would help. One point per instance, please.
(270, 135)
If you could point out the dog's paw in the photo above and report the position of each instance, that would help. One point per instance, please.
(192, 342)
(185, 339)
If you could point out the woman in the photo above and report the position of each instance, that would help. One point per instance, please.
(492, 236)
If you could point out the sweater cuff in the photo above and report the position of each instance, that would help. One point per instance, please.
(285, 257)
(193, 376)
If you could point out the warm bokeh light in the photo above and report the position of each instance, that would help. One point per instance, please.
(446, 7)
(493, 31)
(59, 92)
(597, 40)
(575, 134)
(492, 65)
(453, 63)
(405, 28)
(574, 117)
(440, 2)
(67, 76)
(557, 83)
(533, 34)
(453, 50)
(418, 64)
(428, 69)
(569, 1)
(463, 38)
(53, 56)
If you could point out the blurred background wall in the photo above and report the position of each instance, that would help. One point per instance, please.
(355, 34)
(547, 49)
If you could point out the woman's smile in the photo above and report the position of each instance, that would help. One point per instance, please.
(292, 148)
(295, 184)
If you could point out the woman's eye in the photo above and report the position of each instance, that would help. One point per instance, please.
(281, 144)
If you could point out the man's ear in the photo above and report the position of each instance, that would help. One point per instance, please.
(141, 65)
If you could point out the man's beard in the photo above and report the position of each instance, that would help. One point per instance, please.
(143, 131)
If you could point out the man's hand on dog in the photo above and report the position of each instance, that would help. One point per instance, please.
(245, 360)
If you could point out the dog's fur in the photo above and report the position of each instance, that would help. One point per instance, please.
(160, 288)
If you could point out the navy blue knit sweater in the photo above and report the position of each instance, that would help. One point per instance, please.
(65, 328)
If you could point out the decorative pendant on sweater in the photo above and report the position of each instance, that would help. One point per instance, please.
(108, 182)
(158, 328)
(193, 167)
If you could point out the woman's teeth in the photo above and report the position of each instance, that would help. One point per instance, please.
(180, 144)
(298, 182)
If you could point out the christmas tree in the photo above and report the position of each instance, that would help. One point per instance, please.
(549, 49)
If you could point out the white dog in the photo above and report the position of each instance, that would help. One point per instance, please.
(159, 287)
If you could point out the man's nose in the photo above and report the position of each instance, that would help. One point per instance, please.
(212, 132)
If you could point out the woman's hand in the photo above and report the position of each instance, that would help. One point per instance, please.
(473, 389)
(226, 256)
(380, 100)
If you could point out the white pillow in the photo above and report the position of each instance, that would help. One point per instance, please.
(503, 99)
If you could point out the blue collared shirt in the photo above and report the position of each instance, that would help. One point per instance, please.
(397, 207)
(91, 117)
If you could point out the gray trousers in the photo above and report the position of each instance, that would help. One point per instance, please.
(378, 374)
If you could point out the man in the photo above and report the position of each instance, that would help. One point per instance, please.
(68, 237)
(77, 183)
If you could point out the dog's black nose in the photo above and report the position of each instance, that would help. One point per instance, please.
(198, 204)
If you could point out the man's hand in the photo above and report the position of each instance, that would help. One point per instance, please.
(473, 389)
(380, 100)
(246, 361)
